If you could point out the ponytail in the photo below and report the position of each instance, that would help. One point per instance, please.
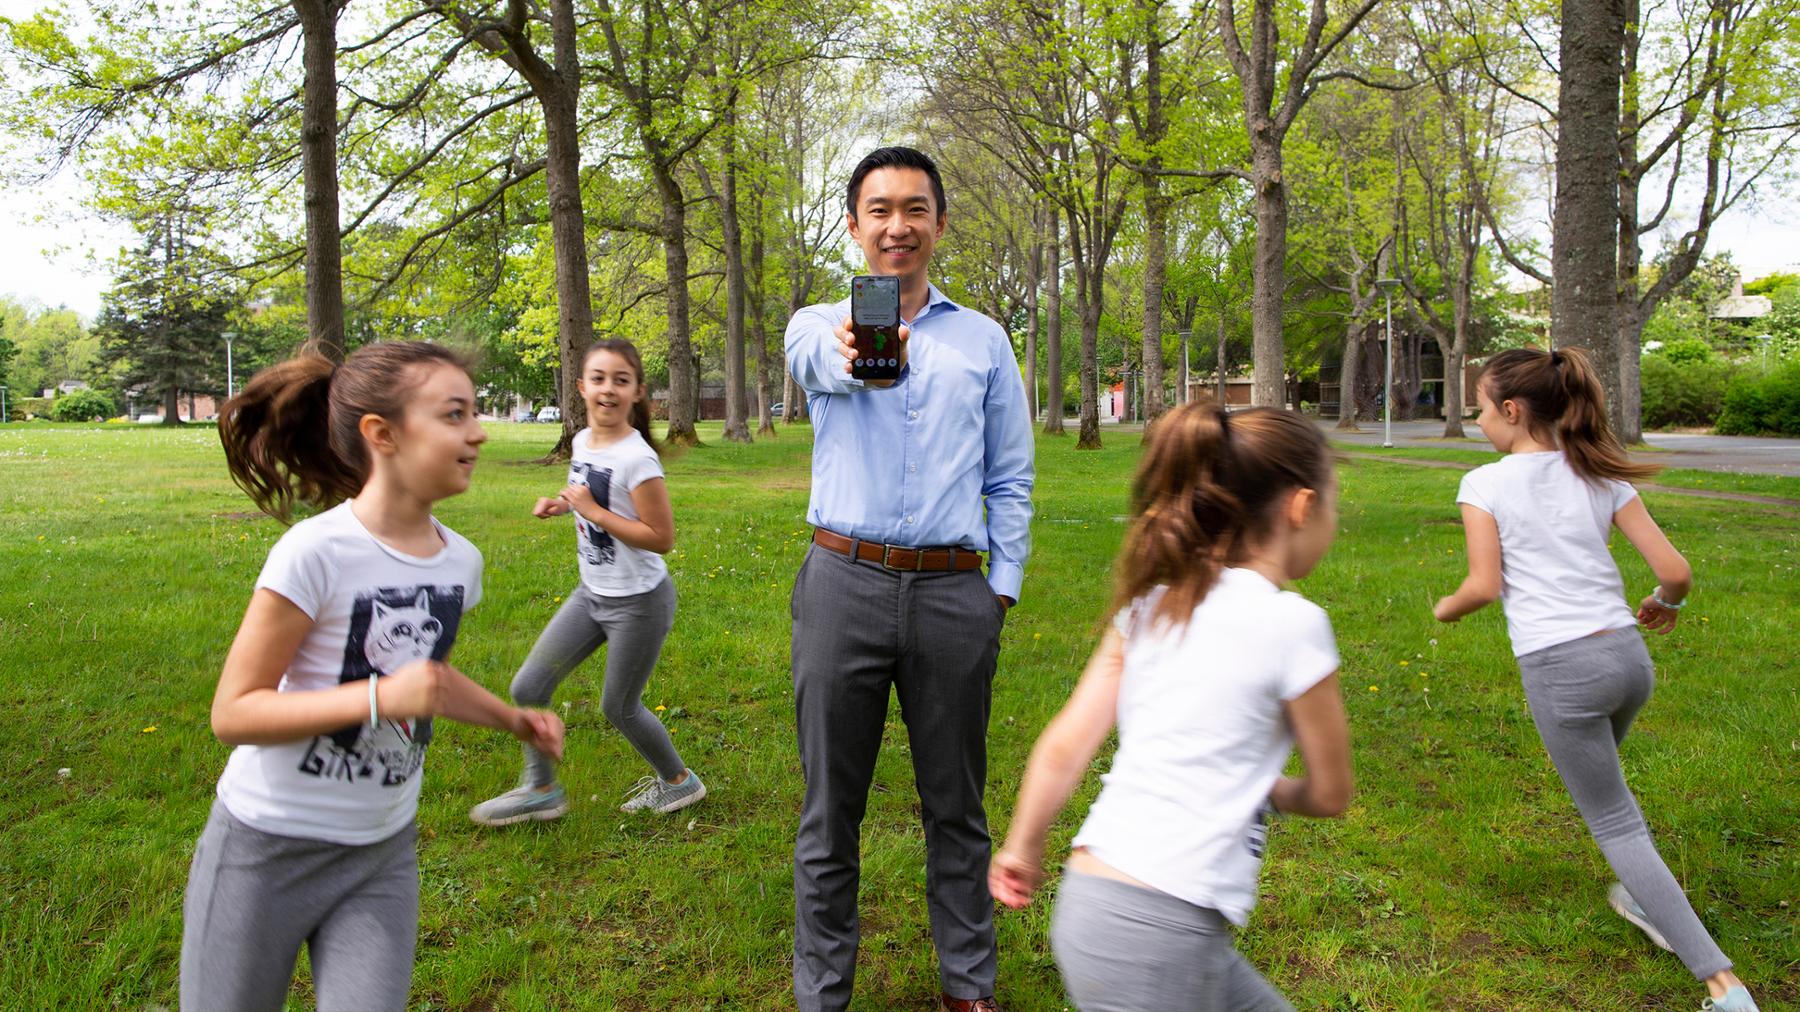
(640, 409)
(1559, 390)
(293, 434)
(1203, 496)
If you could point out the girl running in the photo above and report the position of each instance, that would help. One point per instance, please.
(623, 525)
(331, 685)
(1537, 524)
(1213, 674)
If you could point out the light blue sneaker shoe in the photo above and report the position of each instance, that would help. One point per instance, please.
(1628, 908)
(521, 804)
(653, 794)
(1736, 1000)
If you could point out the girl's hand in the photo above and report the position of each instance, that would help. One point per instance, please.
(578, 496)
(1655, 617)
(413, 692)
(542, 730)
(547, 507)
(1442, 611)
(1013, 879)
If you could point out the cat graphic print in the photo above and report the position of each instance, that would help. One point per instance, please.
(597, 548)
(389, 628)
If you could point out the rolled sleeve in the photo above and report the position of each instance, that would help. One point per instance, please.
(812, 355)
(1008, 472)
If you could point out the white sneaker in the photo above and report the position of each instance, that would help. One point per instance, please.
(1628, 908)
(654, 794)
(1736, 1000)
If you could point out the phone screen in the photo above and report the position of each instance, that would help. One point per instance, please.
(875, 324)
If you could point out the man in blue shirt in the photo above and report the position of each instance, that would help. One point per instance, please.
(913, 480)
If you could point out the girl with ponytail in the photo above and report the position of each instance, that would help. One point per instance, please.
(624, 598)
(329, 689)
(1213, 674)
(1537, 524)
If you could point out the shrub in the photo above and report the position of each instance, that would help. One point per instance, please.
(1687, 351)
(1760, 404)
(1683, 392)
(28, 407)
(82, 406)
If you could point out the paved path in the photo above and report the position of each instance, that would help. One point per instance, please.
(1700, 451)
(1699, 493)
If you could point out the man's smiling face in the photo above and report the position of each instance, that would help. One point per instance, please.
(897, 223)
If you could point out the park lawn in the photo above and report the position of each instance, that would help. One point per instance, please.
(1460, 878)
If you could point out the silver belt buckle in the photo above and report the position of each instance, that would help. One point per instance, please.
(887, 552)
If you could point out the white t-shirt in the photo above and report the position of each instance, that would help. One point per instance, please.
(1203, 738)
(610, 567)
(373, 608)
(1558, 581)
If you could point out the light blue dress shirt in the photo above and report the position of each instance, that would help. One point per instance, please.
(913, 464)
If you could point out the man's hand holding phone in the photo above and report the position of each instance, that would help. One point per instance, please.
(847, 348)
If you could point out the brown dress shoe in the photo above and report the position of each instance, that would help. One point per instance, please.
(949, 1004)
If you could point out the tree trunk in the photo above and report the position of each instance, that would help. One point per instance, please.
(737, 429)
(1156, 230)
(759, 335)
(1087, 306)
(684, 379)
(1629, 416)
(318, 170)
(1350, 374)
(1224, 331)
(1585, 224)
(1053, 367)
(559, 95)
(1270, 277)
(1462, 300)
(1034, 277)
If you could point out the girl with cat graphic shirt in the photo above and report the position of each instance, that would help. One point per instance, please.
(331, 685)
(625, 599)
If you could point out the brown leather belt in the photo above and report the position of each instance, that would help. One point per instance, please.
(899, 557)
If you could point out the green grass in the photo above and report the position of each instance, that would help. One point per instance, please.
(1461, 877)
(1477, 452)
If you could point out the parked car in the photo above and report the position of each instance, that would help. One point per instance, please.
(147, 418)
(775, 409)
(552, 413)
(522, 415)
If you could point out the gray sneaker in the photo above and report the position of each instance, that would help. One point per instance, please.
(1628, 908)
(520, 805)
(653, 794)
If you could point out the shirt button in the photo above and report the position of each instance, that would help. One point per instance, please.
(909, 518)
(912, 414)
(912, 467)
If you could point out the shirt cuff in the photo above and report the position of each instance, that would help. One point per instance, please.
(1006, 578)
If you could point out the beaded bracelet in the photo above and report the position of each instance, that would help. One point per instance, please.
(1656, 596)
(374, 720)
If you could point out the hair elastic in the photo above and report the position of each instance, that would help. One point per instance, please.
(1555, 357)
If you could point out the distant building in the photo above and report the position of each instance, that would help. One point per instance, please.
(1738, 306)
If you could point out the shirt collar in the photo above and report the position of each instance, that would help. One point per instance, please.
(933, 300)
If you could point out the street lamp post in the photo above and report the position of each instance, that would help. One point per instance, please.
(1186, 336)
(230, 389)
(4, 416)
(1387, 286)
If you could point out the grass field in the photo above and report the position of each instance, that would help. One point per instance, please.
(1460, 878)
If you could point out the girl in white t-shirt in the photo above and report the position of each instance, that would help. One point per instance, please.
(1212, 673)
(624, 598)
(1537, 524)
(337, 670)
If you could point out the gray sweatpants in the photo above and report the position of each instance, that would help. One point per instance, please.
(1124, 948)
(1583, 696)
(633, 628)
(254, 897)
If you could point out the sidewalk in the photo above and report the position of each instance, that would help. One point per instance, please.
(1700, 451)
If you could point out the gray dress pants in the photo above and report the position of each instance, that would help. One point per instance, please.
(934, 637)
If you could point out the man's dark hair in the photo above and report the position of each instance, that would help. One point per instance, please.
(895, 157)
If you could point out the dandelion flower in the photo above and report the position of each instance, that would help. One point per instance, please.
(148, 730)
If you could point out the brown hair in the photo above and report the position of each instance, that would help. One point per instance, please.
(1561, 394)
(640, 411)
(1205, 493)
(293, 432)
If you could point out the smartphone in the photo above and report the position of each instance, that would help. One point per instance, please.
(875, 326)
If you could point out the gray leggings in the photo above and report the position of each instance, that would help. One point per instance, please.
(254, 897)
(634, 628)
(1583, 696)
(1124, 948)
